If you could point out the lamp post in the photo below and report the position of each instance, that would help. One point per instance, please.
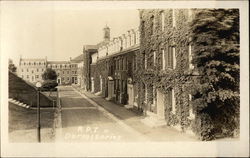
(38, 85)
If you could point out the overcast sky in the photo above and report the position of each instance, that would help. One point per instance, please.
(57, 31)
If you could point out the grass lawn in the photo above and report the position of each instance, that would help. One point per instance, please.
(22, 119)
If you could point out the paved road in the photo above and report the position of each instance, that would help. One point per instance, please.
(84, 121)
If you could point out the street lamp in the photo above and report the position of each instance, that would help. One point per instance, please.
(38, 85)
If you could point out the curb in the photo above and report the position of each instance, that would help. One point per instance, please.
(113, 117)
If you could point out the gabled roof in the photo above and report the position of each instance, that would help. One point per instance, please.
(79, 58)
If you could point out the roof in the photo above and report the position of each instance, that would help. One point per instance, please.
(58, 62)
(30, 59)
(87, 47)
(78, 58)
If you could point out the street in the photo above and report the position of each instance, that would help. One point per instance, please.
(82, 121)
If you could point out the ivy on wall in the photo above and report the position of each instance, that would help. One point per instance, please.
(182, 79)
(165, 80)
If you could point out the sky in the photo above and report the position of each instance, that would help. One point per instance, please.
(36, 30)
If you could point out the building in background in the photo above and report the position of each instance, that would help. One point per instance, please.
(31, 70)
(63, 71)
(77, 70)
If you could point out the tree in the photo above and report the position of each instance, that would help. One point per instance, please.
(49, 74)
(216, 52)
(12, 67)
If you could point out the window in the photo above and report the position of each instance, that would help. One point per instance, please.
(125, 63)
(154, 95)
(142, 27)
(32, 78)
(145, 60)
(173, 101)
(68, 72)
(32, 71)
(134, 63)
(154, 53)
(152, 25)
(22, 70)
(174, 58)
(37, 70)
(191, 66)
(162, 21)
(171, 58)
(62, 78)
(27, 70)
(37, 76)
(191, 110)
(163, 59)
(63, 72)
(34, 63)
(146, 94)
(68, 78)
(27, 76)
(24, 63)
(173, 18)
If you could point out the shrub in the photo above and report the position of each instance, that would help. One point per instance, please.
(216, 58)
(49, 85)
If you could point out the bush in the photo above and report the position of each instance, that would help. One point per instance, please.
(49, 85)
(216, 57)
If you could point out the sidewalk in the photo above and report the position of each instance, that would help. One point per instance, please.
(133, 120)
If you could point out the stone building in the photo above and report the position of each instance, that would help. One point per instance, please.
(163, 72)
(77, 70)
(114, 68)
(63, 70)
(89, 67)
(31, 69)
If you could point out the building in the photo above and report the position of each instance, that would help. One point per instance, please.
(113, 68)
(77, 70)
(31, 70)
(165, 54)
(89, 56)
(63, 71)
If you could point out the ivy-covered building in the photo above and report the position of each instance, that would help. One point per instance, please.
(114, 66)
(168, 79)
(164, 68)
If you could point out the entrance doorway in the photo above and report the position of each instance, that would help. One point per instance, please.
(160, 105)
(59, 81)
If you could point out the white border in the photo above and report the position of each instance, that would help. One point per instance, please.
(214, 148)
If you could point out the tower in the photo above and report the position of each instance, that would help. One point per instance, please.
(106, 33)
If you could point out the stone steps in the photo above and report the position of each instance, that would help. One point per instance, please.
(16, 102)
